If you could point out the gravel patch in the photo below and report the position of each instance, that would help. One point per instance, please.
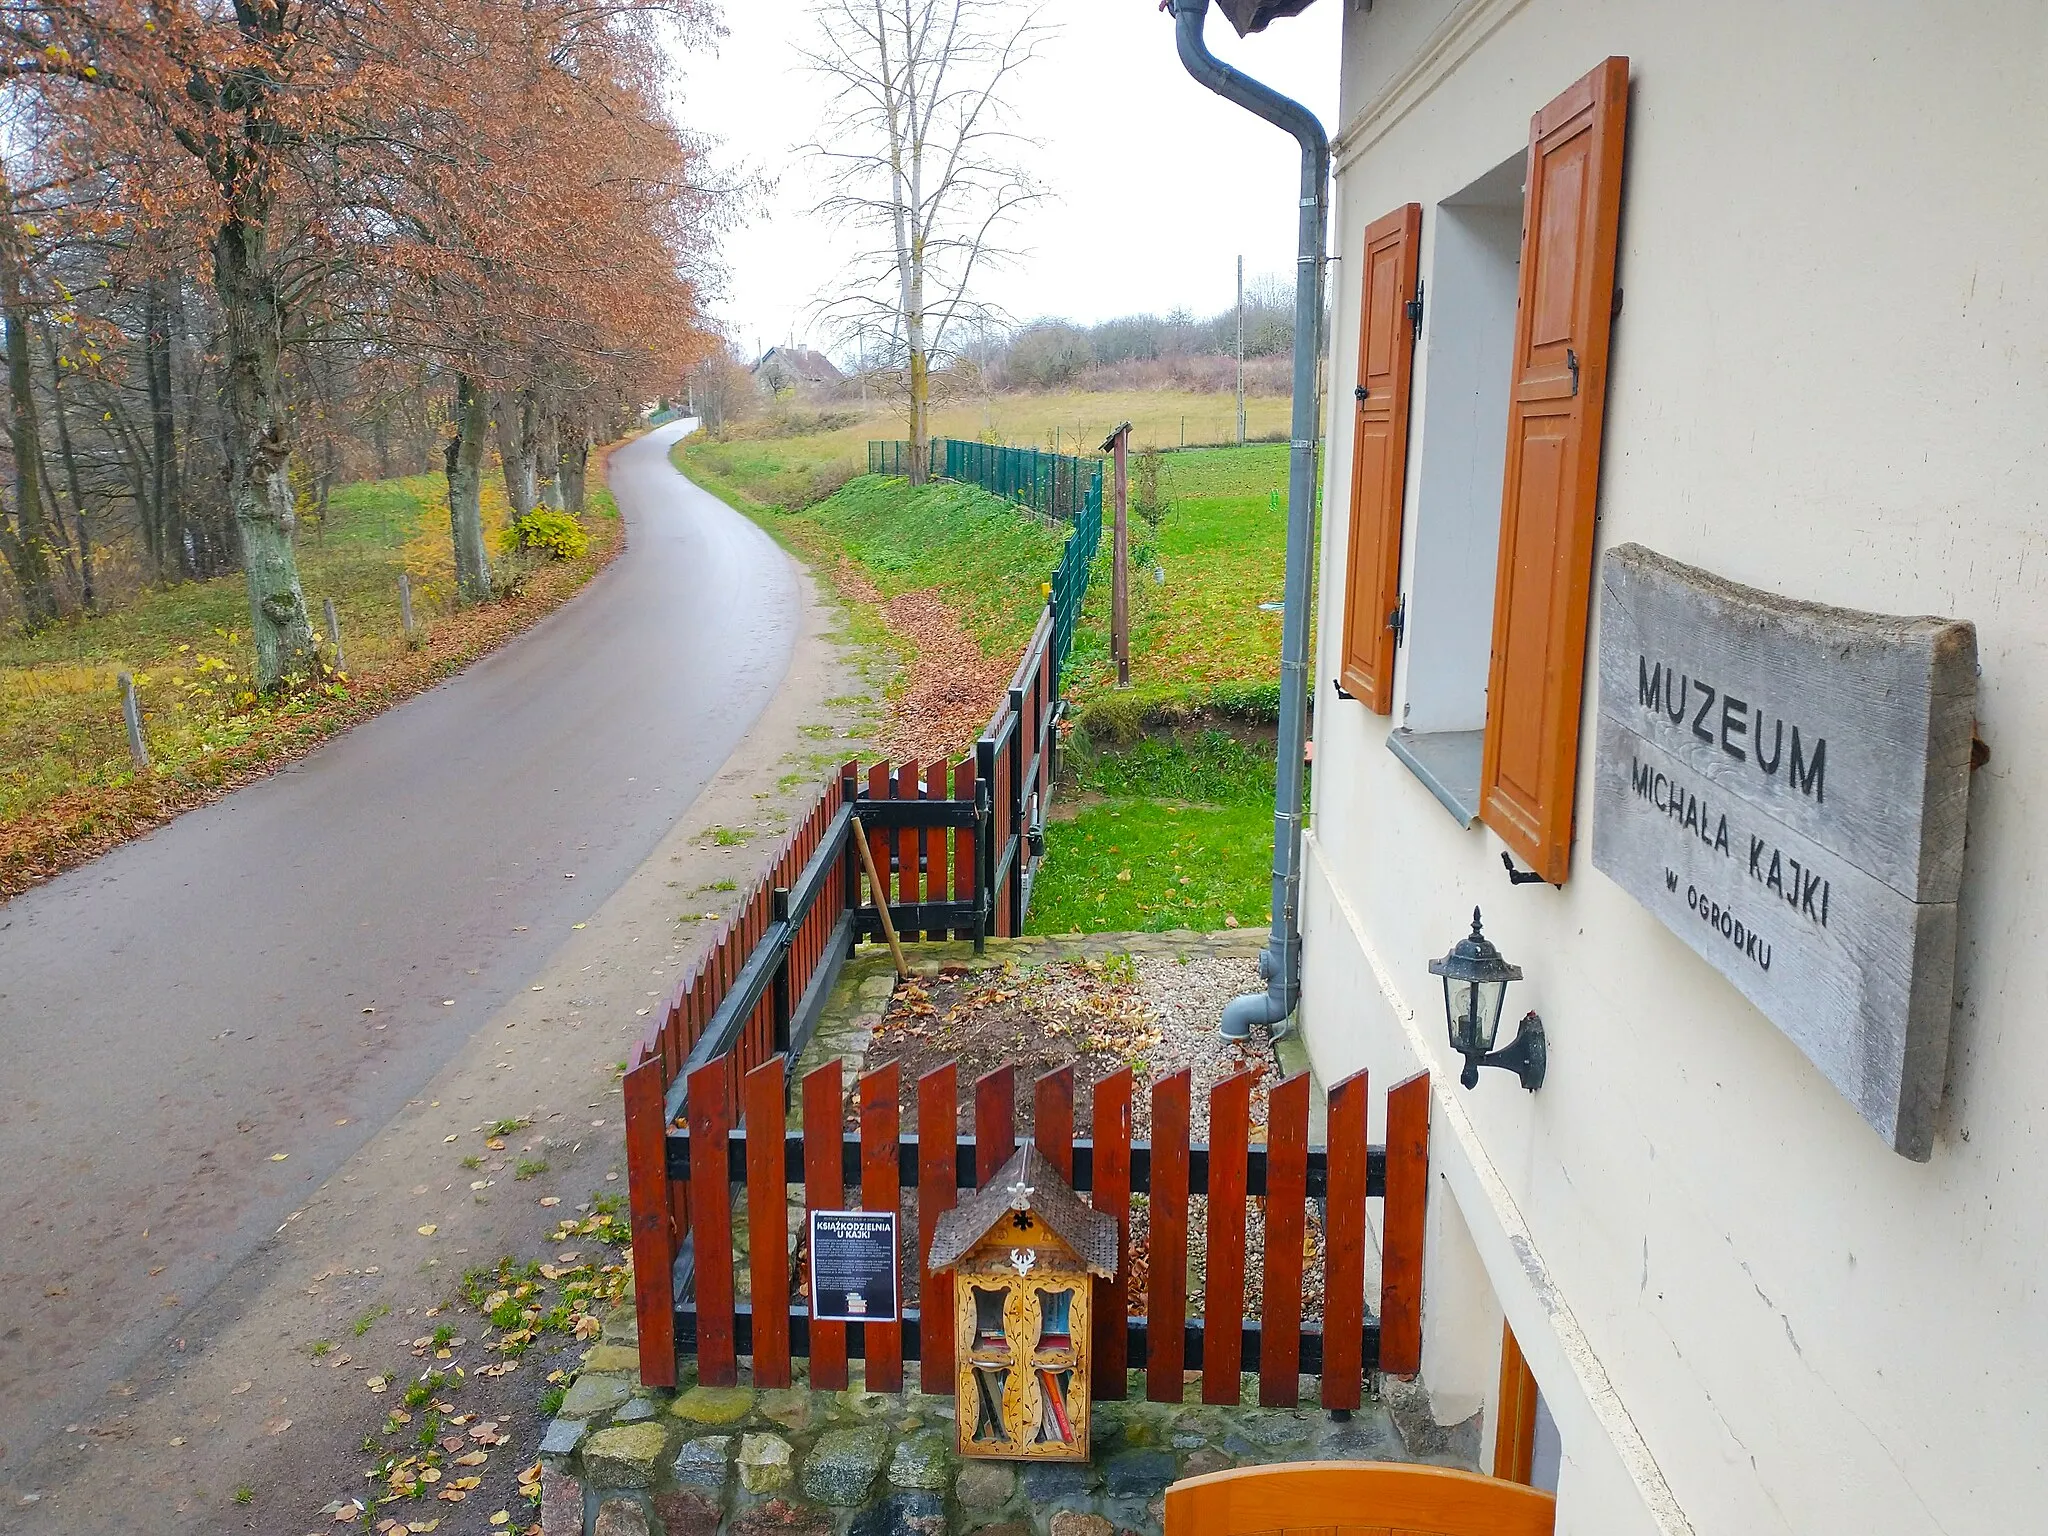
(1156, 1013)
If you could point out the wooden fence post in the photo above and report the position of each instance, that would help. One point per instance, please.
(1404, 1222)
(334, 634)
(937, 1190)
(710, 1109)
(647, 1202)
(1112, 1196)
(824, 1190)
(1052, 1119)
(995, 1122)
(1344, 1246)
(405, 606)
(1166, 1306)
(767, 1223)
(1230, 1107)
(880, 1191)
(1286, 1206)
(1120, 560)
(131, 716)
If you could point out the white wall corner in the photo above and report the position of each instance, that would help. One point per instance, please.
(1610, 1468)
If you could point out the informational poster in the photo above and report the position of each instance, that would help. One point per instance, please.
(854, 1267)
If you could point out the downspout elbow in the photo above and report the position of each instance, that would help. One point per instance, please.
(1189, 17)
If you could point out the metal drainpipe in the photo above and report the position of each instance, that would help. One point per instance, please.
(1280, 961)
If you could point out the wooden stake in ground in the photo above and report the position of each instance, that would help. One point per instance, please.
(405, 605)
(131, 714)
(334, 634)
(881, 889)
(1118, 443)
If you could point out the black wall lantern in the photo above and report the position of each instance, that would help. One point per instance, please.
(1476, 981)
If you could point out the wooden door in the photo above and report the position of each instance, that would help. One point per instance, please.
(1351, 1498)
(1379, 455)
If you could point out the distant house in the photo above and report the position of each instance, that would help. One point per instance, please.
(783, 368)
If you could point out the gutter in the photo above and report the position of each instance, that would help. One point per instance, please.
(1280, 961)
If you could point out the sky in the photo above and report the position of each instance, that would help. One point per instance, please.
(1159, 184)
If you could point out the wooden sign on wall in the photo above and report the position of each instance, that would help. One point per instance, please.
(1785, 786)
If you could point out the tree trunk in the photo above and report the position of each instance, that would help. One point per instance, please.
(465, 491)
(25, 547)
(575, 467)
(515, 451)
(259, 446)
(548, 453)
(88, 590)
(162, 523)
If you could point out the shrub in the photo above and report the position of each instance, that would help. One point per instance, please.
(551, 532)
(1258, 703)
(1114, 719)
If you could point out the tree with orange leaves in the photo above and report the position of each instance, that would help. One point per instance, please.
(450, 177)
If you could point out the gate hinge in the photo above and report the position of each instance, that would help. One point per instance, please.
(1415, 310)
(1397, 621)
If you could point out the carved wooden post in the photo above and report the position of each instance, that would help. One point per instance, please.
(1120, 560)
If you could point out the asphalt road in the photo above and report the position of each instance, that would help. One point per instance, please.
(177, 1014)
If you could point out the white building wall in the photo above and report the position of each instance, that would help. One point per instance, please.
(1829, 379)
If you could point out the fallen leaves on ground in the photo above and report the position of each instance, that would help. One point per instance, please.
(89, 820)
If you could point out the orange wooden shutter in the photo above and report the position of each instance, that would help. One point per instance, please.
(1570, 213)
(1379, 455)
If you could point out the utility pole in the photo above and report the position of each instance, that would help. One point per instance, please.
(1240, 351)
(1117, 443)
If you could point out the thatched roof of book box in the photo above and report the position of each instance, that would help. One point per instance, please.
(1027, 1182)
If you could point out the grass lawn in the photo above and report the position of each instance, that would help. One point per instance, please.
(1163, 832)
(67, 786)
(1171, 833)
(1199, 636)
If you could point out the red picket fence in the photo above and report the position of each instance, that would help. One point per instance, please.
(956, 860)
(715, 1151)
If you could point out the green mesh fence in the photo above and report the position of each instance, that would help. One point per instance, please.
(1057, 486)
(1054, 485)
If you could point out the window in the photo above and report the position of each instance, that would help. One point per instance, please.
(1475, 261)
(1519, 319)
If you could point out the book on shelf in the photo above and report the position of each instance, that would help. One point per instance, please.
(989, 1421)
(1054, 1423)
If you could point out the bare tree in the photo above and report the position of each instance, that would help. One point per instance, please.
(919, 155)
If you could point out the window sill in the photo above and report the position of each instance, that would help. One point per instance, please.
(1447, 762)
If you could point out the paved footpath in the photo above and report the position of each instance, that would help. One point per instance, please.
(201, 1028)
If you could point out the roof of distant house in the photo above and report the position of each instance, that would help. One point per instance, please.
(1252, 15)
(802, 363)
(1027, 1183)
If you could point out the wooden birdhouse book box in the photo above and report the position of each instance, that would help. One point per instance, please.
(1023, 1249)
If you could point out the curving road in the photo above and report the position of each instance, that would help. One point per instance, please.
(178, 1012)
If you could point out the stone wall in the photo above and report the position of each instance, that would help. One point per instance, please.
(622, 1460)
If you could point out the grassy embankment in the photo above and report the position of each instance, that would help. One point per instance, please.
(68, 788)
(1166, 815)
